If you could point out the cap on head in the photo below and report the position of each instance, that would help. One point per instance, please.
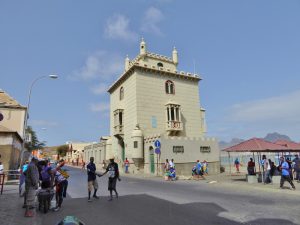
(112, 159)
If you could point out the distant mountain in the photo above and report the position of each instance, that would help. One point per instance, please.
(234, 141)
(276, 136)
(272, 137)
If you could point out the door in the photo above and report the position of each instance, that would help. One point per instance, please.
(152, 165)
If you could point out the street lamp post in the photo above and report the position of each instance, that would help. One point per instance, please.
(51, 76)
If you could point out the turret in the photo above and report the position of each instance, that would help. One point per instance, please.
(143, 48)
(127, 63)
(175, 56)
(109, 152)
(137, 141)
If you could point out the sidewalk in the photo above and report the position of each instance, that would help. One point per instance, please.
(11, 211)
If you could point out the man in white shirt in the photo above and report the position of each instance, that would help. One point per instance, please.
(172, 164)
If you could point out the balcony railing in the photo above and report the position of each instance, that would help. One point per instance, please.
(174, 126)
(118, 130)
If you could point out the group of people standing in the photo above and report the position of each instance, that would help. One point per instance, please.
(40, 174)
(287, 169)
(200, 169)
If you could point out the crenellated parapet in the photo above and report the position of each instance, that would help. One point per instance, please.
(152, 69)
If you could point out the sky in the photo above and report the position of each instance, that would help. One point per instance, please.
(247, 52)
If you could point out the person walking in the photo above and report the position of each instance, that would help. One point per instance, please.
(296, 164)
(285, 173)
(83, 165)
(103, 166)
(126, 164)
(237, 165)
(31, 185)
(92, 179)
(113, 175)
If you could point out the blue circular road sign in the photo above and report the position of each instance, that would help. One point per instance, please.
(157, 144)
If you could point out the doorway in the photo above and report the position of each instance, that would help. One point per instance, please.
(152, 165)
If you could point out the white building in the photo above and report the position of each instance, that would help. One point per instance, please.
(153, 101)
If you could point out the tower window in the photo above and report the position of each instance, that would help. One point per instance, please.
(170, 88)
(121, 93)
(160, 64)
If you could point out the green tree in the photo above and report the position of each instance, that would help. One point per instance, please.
(62, 150)
(34, 143)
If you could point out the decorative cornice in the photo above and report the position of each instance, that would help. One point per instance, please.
(148, 68)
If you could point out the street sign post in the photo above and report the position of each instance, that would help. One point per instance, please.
(157, 151)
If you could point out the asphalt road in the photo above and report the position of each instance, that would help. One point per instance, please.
(154, 201)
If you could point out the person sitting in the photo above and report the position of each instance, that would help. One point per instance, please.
(251, 167)
(194, 171)
(172, 174)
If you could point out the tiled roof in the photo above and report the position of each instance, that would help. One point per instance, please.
(256, 145)
(289, 144)
(8, 102)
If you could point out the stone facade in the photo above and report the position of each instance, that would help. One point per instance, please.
(12, 112)
(12, 116)
(10, 150)
(153, 101)
(76, 151)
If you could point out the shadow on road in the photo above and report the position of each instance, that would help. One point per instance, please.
(144, 210)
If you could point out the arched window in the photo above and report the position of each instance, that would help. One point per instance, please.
(160, 64)
(121, 93)
(170, 88)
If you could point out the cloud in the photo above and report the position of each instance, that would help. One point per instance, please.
(151, 20)
(285, 107)
(257, 118)
(100, 107)
(100, 89)
(102, 65)
(44, 123)
(117, 27)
